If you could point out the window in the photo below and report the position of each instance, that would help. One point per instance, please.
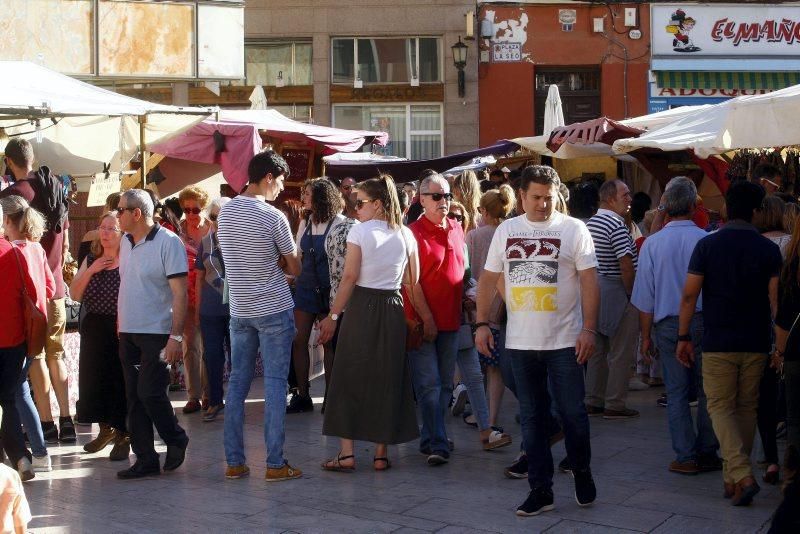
(415, 131)
(266, 61)
(386, 60)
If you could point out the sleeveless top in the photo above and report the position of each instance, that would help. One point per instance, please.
(101, 293)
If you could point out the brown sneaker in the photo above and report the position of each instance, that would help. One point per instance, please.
(278, 474)
(594, 411)
(625, 413)
(102, 440)
(684, 468)
(746, 489)
(192, 406)
(236, 471)
(122, 447)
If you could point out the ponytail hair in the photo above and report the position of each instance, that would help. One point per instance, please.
(499, 203)
(29, 222)
(383, 188)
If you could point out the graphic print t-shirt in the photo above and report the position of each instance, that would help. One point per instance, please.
(540, 262)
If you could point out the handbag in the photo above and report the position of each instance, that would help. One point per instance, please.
(414, 328)
(35, 322)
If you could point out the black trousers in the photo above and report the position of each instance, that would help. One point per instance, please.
(146, 382)
(13, 443)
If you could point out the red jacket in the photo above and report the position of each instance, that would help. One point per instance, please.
(12, 330)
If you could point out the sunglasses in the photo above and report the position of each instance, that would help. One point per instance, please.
(122, 209)
(439, 196)
(456, 216)
(194, 211)
(360, 203)
(212, 217)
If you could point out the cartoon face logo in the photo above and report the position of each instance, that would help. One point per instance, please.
(679, 27)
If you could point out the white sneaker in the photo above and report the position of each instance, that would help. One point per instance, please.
(636, 384)
(42, 464)
(459, 400)
(25, 469)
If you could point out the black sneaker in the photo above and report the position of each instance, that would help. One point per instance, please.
(564, 466)
(66, 432)
(300, 404)
(585, 491)
(176, 454)
(538, 501)
(50, 432)
(139, 470)
(518, 469)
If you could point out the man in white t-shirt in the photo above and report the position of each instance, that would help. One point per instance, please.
(549, 269)
(258, 250)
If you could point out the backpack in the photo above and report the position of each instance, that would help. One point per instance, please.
(49, 198)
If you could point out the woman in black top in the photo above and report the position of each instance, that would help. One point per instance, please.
(787, 336)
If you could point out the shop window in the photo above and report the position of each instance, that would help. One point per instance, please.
(415, 131)
(386, 60)
(266, 61)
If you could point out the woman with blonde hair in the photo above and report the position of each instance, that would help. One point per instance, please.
(24, 227)
(193, 228)
(496, 206)
(101, 384)
(467, 192)
(370, 396)
(790, 215)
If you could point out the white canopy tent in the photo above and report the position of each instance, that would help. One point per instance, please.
(760, 121)
(651, 122)
(79, 127)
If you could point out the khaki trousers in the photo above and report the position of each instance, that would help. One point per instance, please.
(612, 365)
(731, 381)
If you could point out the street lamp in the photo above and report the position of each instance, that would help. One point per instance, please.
(460, 61)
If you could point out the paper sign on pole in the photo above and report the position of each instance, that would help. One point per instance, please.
(102, 186)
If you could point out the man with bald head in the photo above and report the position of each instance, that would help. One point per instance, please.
(608, 372)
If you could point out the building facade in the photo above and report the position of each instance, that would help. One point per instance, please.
(596, 53)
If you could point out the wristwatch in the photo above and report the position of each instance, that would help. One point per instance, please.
(173, 337)
(334, 317)
(685, 337)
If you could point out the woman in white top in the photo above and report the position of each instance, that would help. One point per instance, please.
(370, 396)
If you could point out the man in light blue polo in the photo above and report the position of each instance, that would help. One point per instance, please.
(151, 310)
(663, 264)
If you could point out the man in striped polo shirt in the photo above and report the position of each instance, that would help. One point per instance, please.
(610, 369)
(258, 248)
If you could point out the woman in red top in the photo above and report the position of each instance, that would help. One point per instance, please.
(23, 227)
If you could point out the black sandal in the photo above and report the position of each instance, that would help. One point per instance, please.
(335, 464)
(473, 424)
(381, 459)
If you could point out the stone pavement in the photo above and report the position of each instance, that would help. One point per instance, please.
(636, 493)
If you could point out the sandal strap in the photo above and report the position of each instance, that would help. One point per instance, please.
(381, 459)
(340, 458)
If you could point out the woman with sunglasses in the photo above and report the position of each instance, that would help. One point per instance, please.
(211, 313)
(322, 199)
(101, 384)
(193, 228)
(370, 397)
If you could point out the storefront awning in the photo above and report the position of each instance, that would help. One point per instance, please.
(726, 80)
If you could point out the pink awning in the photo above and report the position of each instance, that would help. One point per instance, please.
(238, 132)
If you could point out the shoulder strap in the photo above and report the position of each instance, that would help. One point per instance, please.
(19, 268)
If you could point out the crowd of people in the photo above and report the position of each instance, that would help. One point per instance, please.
(426, 297)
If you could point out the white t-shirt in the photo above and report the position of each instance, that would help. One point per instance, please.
(540, 262)
(317, 228)
(253, 236)
(383, 253)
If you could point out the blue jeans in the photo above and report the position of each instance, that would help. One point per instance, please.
(679, 382)
(214, 329)
(532, 371)
(432, 369)
(472, 378)
(272, 335)
(28, 414)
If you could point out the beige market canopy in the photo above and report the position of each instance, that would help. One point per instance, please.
(81, 127)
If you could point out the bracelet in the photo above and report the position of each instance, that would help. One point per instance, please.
(590, 331)
(478, 325)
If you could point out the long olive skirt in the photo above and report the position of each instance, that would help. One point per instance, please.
(370, 396)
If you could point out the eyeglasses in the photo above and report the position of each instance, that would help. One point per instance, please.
(439, 196)
(212, 217)
(360, 202)
(455, 216)
(194, 211)
(107, 229)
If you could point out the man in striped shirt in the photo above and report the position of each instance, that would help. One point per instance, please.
(610, 369)
(256, 241)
